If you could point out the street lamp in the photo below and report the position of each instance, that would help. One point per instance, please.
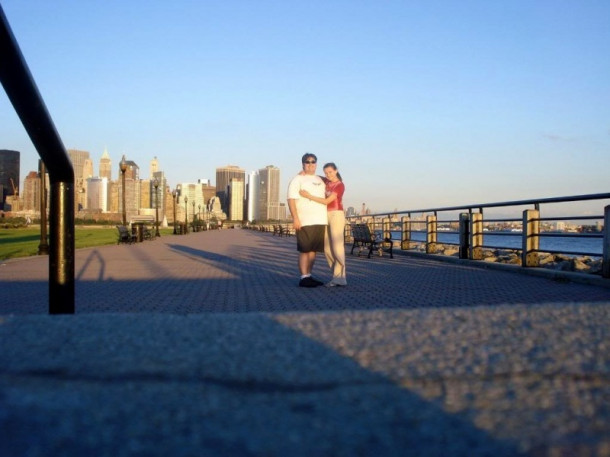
(186, 215)
(123, 166)
(199, 215)
(156, 186)
(174, 198)
(193, 216)
(43, 247)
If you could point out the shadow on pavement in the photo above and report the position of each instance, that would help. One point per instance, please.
(206, 385)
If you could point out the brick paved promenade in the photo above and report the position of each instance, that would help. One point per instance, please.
(204, 345)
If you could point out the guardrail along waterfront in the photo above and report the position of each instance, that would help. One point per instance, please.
(523, 232)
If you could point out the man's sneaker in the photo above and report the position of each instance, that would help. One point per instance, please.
(318, 283)
(308, 282)
(335, 284)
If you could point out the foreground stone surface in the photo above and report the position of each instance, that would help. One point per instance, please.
(507, 380)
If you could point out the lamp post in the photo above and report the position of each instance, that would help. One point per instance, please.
(186, 215)
(194, 217)
(156, 186)
(43, 247)
(199, 215)
(123, 166)
(174, 198)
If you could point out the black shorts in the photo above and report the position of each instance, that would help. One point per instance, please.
(310, 238)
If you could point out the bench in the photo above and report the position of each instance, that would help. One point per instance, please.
(365, 239)
(283, 230)
(124, 235)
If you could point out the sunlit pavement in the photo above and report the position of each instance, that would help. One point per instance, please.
(204, 345)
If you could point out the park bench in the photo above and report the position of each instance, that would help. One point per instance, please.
(365, 239)
(282, 230)
(285, 230)
(125, 235)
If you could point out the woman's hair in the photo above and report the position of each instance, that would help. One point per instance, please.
(334, 167)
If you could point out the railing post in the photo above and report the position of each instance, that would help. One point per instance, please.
(464, 236)
(476, 236)
(431, 234)
(347, 233)
(606, 249)
(405, 237)
(29, 106)
(531, 240)
(371, 223)
(386, 230)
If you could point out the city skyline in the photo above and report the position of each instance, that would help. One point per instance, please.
(419, 105)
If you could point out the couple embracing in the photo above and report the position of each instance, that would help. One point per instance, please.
(316, 205)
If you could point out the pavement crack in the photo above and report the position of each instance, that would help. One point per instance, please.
(236, 384)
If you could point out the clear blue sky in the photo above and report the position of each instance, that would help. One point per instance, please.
(419, 103)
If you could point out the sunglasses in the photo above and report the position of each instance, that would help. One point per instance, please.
(310, 161)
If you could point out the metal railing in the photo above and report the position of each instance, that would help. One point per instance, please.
(470, 229)
(29, 106)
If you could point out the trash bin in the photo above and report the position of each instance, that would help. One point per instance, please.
(137, 228)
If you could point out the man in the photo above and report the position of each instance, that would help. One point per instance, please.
(308, 218)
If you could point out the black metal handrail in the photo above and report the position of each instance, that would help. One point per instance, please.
(536, 202)
(29, 106)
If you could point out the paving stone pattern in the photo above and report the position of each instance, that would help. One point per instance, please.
(204, 345)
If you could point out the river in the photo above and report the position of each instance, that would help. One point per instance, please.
(587, 243)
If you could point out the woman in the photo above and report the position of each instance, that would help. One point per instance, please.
(334, 241)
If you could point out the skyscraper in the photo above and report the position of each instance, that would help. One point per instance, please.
(154, 167)
(132, 189)
(106, 166)
(83, 169)
(31, 192)
(252, 192)
(97, 194)
(269, 193)
(236, 199)
(157, 200)
(9, 174)
(223, 179)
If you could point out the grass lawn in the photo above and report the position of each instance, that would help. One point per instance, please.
(23, 242)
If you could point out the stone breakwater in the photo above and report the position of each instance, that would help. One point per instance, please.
(560, 262)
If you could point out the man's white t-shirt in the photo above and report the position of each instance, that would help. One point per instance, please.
(309, 212)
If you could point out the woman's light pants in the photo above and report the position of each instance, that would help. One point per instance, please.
(334, 246)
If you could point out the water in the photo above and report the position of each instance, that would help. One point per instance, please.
(587, 244)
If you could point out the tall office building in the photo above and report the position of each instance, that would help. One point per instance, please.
(83, 169)
(223, 180)
(157, 200)
(31, 192)
(154, 167)
(106, 166)
(9, 174)
(252, 191)
(194, 194)
(236, 199)
(132, 189)
(207, 190)
(97, 194)
(269, 194)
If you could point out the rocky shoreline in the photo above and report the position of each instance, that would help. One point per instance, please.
(559, 262)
